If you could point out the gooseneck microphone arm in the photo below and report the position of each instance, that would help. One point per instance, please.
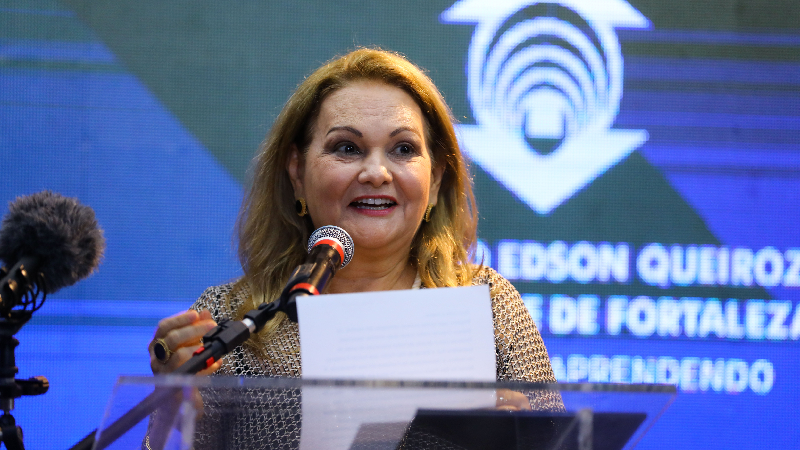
(330, 248)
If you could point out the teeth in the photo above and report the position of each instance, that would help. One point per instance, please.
(374, 203)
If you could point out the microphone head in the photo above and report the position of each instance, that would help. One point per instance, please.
(336, 234)
(59, 231)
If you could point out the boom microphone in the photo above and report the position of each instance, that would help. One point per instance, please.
(50, 242)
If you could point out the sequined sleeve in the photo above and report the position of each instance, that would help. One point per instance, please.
(519, 348)
(213, 299)
(521, 354)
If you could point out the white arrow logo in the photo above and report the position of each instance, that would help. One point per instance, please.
(544, 80)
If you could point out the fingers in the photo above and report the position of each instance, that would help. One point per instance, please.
(176, 321)
(507, 408)
(189, 334)
(508, 400)
(181, 334)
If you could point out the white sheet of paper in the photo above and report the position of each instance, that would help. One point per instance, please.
(443, 334)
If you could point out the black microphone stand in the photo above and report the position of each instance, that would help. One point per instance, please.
(11, 388)
(17, 291)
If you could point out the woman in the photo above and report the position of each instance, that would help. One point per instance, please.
(365, 143)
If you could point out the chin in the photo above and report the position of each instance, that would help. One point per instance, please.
(376, 240)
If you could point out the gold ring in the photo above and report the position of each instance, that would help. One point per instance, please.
(161, 350)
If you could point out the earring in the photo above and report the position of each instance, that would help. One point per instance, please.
(300, 207)
(427, 217)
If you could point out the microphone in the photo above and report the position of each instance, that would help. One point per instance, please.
(330, 248)
(50, 242)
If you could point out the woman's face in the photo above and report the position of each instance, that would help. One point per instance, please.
(368, 168)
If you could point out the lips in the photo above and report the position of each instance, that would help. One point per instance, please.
(373, 203)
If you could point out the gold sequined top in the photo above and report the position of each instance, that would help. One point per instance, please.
(519, 349)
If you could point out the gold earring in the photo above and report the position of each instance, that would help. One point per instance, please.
(300, 207)
(428, 212)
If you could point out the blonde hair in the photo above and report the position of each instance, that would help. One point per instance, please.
(272, 236)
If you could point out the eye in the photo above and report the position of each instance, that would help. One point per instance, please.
(405, 149)
(346, 148)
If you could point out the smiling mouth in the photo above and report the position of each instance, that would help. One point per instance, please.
(373, 203)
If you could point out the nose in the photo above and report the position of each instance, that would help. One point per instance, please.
(375, 170)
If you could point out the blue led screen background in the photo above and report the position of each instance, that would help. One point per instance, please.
(636, 166)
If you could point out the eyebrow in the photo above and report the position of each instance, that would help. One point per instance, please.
(350, 129)
(359, 134)
(401, 129)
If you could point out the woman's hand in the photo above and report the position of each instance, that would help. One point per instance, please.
(508, 400)
(181, 334)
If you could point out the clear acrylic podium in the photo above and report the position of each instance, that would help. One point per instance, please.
(263, 413)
